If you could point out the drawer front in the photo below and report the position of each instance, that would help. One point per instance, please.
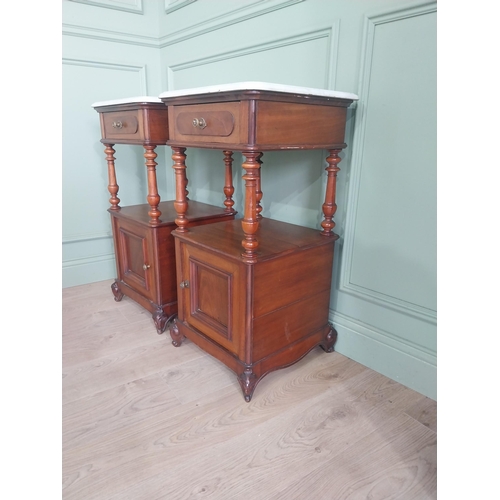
(124, 125)
(217, 123)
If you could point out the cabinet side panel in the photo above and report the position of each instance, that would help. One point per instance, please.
(279, 329)
(299, 124)
(158, 125)
(165, 248)
(285, 280)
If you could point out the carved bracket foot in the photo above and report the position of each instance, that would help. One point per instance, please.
(248, 381)
(116, 292)
(161, 320)
(177, 336)
(330, 339)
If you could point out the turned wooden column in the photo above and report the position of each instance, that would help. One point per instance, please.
(258, 209)
(181, 200)
(228, 187)
(329, 207)
(186, 182)
(153, 196)
(112, 185)
(250, 222)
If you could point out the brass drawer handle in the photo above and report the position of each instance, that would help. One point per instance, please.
(146, 267)
(117, 124)
(199, 123)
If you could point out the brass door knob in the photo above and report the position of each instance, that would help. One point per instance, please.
(146, 267)
(184, 284)
(199, 123)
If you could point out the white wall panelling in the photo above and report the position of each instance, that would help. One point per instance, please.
(385, 307)
(423, 165)
(87, 242)
(139, 69)
(237, 65)
(121, 21)
(134, 6)
(192, 22)
(173, 5)
(110, 35)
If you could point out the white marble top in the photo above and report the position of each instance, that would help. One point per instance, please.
(275, 87)
(127, 100)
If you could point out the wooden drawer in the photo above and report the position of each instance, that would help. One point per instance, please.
(134, 122)
(224, 123)
(122, 125)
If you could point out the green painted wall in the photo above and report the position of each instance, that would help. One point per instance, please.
(384, 293)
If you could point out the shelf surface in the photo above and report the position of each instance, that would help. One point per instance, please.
(197, 211)
(275, 238)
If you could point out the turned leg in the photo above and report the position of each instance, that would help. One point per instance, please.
(248, 381)
(329, 207)
(181, 201)
(250, 222)
(330, 339)
(112, 186)
(177, 337)
(153, 197)
(258, 190)
(228, 187)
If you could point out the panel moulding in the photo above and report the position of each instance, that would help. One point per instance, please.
(346, 286)
(408, 365)
(140, 69)
(329, 33)
(110, 36)
(173, 5)
(134, 6)
(384, 337)
(88, 270)
(234, 16)
(237, 15)
(80, 238)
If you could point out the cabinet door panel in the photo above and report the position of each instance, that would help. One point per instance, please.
(136, 259)
(214, 296)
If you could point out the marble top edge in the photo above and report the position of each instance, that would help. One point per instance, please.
(274, 87)
(128, 100)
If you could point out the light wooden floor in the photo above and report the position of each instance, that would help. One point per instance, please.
(145, 420)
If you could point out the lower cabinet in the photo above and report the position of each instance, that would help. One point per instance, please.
(255, 317)
(145, 255)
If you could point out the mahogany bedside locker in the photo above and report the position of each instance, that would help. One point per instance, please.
(144, 246)
(255, 293)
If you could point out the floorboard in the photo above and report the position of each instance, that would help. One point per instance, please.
(145, 420)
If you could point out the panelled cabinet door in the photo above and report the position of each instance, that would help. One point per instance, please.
(136, 258)
(213, 296)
